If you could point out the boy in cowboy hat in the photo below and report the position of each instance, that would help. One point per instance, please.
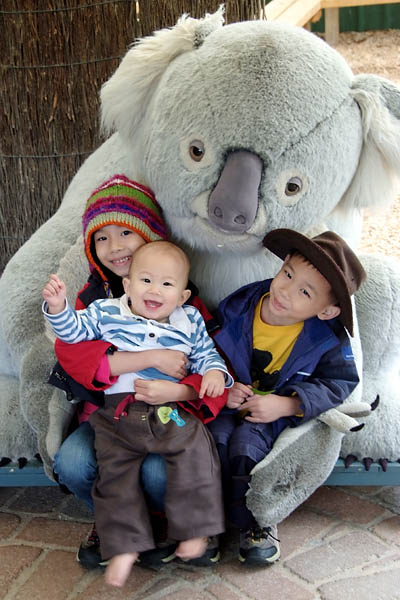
(287, 343)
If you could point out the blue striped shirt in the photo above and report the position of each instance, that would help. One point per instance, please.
(112, 321)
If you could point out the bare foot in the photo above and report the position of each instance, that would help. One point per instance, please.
(192, 548)
(119, 568)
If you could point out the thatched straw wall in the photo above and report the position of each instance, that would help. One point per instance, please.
(54, 55)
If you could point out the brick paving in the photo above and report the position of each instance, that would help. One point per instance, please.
(343, 543)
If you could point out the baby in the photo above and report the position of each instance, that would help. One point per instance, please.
(151, 314)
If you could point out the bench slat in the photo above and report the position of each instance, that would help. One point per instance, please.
(33, 475)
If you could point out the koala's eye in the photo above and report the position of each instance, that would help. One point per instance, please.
(293, 186)
(196, 150)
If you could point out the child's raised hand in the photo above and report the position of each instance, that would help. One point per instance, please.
(212, 384)
(54, 293)
(238, 394)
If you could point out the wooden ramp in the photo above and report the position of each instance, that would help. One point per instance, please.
(302, 12)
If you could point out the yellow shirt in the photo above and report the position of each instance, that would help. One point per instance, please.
(272, 345)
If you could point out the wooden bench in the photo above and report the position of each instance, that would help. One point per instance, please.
(302, 12)
(32, 475)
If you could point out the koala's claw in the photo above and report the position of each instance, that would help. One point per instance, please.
(367, 463)
(21, 461)
(375, 403)
(348, 461)
(384, 463)
(357, 427)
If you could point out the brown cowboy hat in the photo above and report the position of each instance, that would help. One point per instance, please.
(333, 258)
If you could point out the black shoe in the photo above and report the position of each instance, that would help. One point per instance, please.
(210, 557)
(159, 525)
(157, 557)
(259, 546)
(89, 555)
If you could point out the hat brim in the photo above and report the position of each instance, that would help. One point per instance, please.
(282, 242)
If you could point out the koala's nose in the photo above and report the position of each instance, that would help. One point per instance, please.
(233, 203)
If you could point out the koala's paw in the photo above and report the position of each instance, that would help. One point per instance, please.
(344, 417)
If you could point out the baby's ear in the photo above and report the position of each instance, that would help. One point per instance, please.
(329, 312)
(125, 283)
(185, 296)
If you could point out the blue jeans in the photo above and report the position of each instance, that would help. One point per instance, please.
(76, 467)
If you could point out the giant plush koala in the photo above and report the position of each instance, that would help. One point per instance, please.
(238, 129)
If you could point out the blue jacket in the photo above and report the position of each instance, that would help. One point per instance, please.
(320, 369)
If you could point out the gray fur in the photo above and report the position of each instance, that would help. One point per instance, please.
(280, 93)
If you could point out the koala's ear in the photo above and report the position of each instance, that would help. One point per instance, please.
(376, 178)
(126, 95)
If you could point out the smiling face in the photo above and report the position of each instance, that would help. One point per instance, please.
(115, 246)
(157, 281)
(298, 292)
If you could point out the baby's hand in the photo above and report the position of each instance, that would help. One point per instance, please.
(54, 293)
(238, 394)
(212, 384)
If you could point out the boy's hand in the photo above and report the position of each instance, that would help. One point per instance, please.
(212, 384)
(270, 407)
(238, 394)
(54, 293)
(171, 362)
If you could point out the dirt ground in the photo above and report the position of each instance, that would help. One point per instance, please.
(377, 52)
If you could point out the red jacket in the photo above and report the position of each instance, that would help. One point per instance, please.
(81, 361)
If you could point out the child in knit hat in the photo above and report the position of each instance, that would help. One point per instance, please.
(152, 314)
(120, 216)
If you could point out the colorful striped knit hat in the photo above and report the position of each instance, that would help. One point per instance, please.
(126, 203)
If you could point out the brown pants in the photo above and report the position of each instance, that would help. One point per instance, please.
(193, 501)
